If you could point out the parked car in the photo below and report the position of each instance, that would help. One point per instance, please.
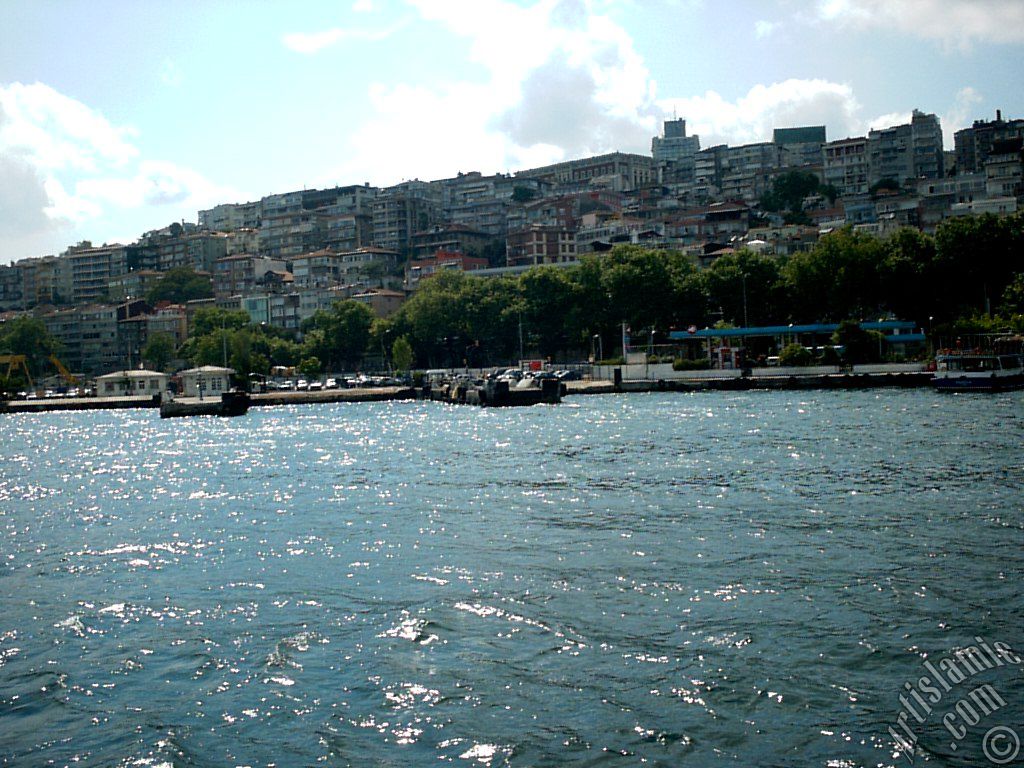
(302, 385)
(331, 383)
(315, 386)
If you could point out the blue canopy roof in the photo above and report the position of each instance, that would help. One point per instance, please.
(816, 328)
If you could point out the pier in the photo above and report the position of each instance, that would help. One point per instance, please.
(902, 376)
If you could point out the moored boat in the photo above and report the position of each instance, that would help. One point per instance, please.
(998, 369)
(228, 404)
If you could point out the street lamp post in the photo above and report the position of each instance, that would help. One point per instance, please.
(383, 351)
(520, 337)
(746, 322)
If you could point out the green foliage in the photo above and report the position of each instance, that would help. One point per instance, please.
(789, 190)
(830, 356)
(683, 364)
(523, 194)
(338, 337)
(859, 346)
(210, 319)
(179, 285)
(796, 355)
(733, 275)
(401, 354)
(847, 274)
(1013, 296)
(889, 185)
(28, 336)
(310, 367)
(159, 350)
(839, 278)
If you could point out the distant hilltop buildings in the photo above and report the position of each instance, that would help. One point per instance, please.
(286, 255)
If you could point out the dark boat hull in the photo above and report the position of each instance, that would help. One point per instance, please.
(230, 404)
(978, 383)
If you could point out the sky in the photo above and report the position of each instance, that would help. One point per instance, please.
(118, 117)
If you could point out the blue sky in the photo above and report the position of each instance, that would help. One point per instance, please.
(118, 116)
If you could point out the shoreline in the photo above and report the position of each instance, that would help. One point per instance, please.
(831, 381)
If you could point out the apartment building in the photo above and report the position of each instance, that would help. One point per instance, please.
(12, 289)
(402, 210)
(846, 167)
(1004, 168)
(674, 153)
(449, 237)
(617, 171)
(973, 145)
(319, 269)
(90, 270)
(133, 285)
(242, 274)
(906, 152)
(231, 217)
(799, 147)
(440, 261)
(541, 244)
(363, 263)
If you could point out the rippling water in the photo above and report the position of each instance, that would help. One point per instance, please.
(662, 579)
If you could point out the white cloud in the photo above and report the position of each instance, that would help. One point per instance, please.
(314, 42)
(363, 6)
(763, 28)
(170, 74)
(64, 164)
(57, 132)
(550, 80)
(752, 117)
(889, 120)
(958, 23)
(960, 115)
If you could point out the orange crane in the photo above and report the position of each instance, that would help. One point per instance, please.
(65, 374)
(16, 363)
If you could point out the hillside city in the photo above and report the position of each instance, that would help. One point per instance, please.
(283, 258)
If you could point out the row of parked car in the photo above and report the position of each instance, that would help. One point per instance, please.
(56, 393)
(343, 382)
(515, 374)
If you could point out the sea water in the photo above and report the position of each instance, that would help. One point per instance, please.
(645, 579)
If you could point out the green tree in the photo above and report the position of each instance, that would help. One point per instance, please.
(839, 278)
(523, 194)
(789, 190)
(639, 287)
(859, 345)
(179, 285)
(310, 367)
(1013, 296)
(745, 286)
(550, 309)
(977, 258)
(338, 336)
(401, 354)
(245, 357)
(159, 350)
(796, 355)
(211, 319)
(28, 336)
(907, 275)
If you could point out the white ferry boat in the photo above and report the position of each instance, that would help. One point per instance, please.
(975, 370)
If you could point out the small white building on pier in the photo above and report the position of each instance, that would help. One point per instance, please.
(206, 381)
(137, 383)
